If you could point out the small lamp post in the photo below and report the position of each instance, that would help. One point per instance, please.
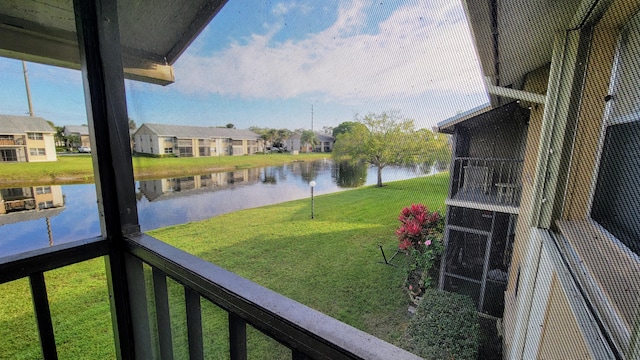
(312, 184)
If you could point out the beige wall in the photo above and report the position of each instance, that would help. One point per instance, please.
(612, 277)
(47, 143)
(147, 142)
(590, 122)
(535, 82)
(611, 271)
(561, 338)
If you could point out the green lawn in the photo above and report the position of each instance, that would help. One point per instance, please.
(79, 169)
(329, 263)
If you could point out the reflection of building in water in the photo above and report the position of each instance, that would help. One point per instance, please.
(165, 188)
(30, 203)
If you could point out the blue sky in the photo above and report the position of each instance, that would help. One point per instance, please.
(266, 63)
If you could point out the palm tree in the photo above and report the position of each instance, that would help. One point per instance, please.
(308, 137)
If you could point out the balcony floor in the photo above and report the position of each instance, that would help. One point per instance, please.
(476, 198)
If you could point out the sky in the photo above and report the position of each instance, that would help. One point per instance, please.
(269, 63)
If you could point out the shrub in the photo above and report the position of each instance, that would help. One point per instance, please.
(445, 326)
(159, 156)
(420, 233)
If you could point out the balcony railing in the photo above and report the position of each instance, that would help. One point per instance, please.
(19, 205)
(487, 180)
(11, 142)
(308, 333)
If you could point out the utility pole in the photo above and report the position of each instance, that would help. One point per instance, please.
(311, 117)
(26, 84)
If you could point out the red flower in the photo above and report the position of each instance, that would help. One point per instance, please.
(417, 224)
(417, 208)
(405, 212)
(413, 228)
(404, 244)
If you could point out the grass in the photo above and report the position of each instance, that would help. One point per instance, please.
(329, 263)
(79, 169)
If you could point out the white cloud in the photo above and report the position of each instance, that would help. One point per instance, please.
(419, 49)
(284, 8)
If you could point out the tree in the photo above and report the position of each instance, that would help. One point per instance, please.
(132, 124)
(283, 135)
(381, 140)
(230, 126)
(73, 141)
(307, 138)
(59, 137)
(344, 127)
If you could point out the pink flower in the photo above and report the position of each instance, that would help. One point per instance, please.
(428, 242)
(411, 287)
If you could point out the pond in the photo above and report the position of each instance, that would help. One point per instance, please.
(36, 217)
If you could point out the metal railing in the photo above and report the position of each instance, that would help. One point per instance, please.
(308, 333)
(487, 180)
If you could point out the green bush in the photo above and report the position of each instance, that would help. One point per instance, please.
(158, 156)
(445, 326)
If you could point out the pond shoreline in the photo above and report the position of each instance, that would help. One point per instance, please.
(141, 174)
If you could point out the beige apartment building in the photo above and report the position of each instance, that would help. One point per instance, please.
(542, 225)
(195, 141)
(26, 139)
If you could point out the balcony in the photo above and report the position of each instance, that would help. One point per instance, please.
(135, 304)
(308, 333)
(19, 205)
(486, 183)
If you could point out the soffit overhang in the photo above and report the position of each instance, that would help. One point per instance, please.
(513, 38)
(154, 33)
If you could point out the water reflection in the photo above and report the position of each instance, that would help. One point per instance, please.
(21, 204)
(163, 188)
(27, 203)
(349, 175)
(34, 217)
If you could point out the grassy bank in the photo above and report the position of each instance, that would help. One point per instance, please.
(79, 169)
(329, 263)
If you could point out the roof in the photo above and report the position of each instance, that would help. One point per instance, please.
(199, 132)
(21, 216)
(446, 126)
(76, 129)
(325, 137)
(320, 136)
(484, 114)
(12, 124)
(154, 33)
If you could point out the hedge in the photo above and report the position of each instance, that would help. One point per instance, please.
(445, 326)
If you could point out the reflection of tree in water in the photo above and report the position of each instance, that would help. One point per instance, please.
(270, 175)
(308, 171)
(422, 168)
(441, 166)
(350, 175)
(274, 174)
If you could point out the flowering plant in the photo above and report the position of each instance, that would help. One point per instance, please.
(420, 234)
(418, 227)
